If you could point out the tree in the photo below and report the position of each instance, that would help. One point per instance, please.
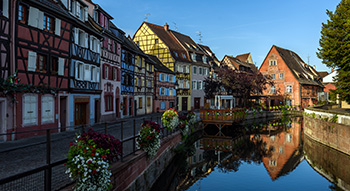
(335, 46)
(240, 84)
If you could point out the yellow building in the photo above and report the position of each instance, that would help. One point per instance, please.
(158, 41)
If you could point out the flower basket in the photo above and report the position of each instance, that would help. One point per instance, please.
(192, 117)
(183, 125)
(170, 119)
(89, 158)
(149, 139)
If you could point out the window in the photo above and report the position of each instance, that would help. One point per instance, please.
(109, 101)
(200, 71)
(22, 13)
(194, 85)
(204, 59)
(194, 69)
(199, 85)
(48, 23)
(289, 138)
(115, 74)
(162, 105)
(161, 91)
(54, 65)
(175, 53)
(140, 102)
(47, 109)
(273, 63)
(289, 89)
(106, 72)
(273, 89)
(272, 163)
(273, 76)
(156, 41)
(148, 102)
(149, 84)
(41, 63)
(281, 75)
(30, 109)
(140, 62)
(79, 71)
(183, 55)
(193, 57)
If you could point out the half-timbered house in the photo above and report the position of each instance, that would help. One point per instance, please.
(6, 103)
(164, 89)
(158, 41)
(84, 67)
(110, 63)
(42, 41)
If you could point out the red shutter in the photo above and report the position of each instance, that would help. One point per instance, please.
(111, 73)
(104, 71)
(118, 72)
(113, 46)
(105, 43)
(101, 19)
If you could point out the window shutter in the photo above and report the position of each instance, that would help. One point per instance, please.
(86, 13)
(65, 3)
(160, 91)
(160, 77)
(58, 27)
(97, 74)
(174, 92)
(86, 40)
(104, 71)
(166, 91)
(76, 35)
(91, 47)
(33, 17)
(78, 9)
(101, 19)
(5, 8)
(77, 70)
(106, 22)
(105, 43)
(31, 61)
(118, 70)
(30, 103)
(40, 20)
(47, 109)
(110, 73)
(61, 66)
(98, 44)
(174, 79)
(87, 72)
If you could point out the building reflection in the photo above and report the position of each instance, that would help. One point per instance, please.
(284, 148)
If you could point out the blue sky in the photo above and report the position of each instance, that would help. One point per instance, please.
(233, 27)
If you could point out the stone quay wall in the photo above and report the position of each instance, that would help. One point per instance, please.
(139, 172)
(335, 135)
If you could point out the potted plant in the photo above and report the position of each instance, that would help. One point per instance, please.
(89, 158)
(170, 119)
(149, 138)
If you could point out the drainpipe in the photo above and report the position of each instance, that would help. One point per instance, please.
(12, 58)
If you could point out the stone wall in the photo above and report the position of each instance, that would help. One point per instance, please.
(343, 118)
(139, 172)
(334, 135)
(332, 164)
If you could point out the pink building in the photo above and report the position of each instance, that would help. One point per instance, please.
(164, 91)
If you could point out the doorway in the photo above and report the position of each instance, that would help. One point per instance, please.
(197, 102)
(184, 104)
(117, 113)
(130, 106)
(80, 113)
(63, 113)
(97, 110)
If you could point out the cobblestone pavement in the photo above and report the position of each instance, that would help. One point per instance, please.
(30, 153)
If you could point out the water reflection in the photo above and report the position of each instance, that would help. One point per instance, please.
(277, 145)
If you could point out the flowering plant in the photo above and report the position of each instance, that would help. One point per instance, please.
(88, 164)
(149, 139)
(191, 117)
(183, 124)
(170, 119)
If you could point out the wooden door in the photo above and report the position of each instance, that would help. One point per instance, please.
(97, 111)
(130, 106)
(80, 113)
(197, 103)
(184, 104)
(63, 113)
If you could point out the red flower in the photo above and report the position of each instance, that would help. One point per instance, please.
(94, 171)
(92, 154)
(104, 156)
(84, 151)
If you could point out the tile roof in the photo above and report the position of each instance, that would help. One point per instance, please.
(187, 42)
(237, 62)
(169, 40)
(323, 74)
(159, 66)
(304, 73)
(243, 57)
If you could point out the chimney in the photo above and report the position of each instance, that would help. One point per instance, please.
(166, 27)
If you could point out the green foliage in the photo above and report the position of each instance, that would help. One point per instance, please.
(335, 48)
(313, 115)
(334, 119)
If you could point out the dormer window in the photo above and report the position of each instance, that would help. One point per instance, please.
(175, 53)
(183, 55)
(156, 41)
(204, 59)
(194, 57)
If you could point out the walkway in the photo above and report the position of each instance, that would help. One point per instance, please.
(30, 153)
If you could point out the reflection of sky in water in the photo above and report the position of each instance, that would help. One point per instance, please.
(255, 177)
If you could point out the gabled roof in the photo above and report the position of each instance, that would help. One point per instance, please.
(235, 62)
(304, 73)
(131, 46)
(187, 42)
(159, 66)
(243, 57)
(169, 40)
(323, 74)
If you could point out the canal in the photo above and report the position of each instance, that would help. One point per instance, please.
(259, 155)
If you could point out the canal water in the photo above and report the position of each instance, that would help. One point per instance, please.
(270, 155)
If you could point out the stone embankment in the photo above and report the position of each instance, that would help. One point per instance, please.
(328, 127)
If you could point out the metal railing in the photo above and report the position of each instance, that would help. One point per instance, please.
(51, 176)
